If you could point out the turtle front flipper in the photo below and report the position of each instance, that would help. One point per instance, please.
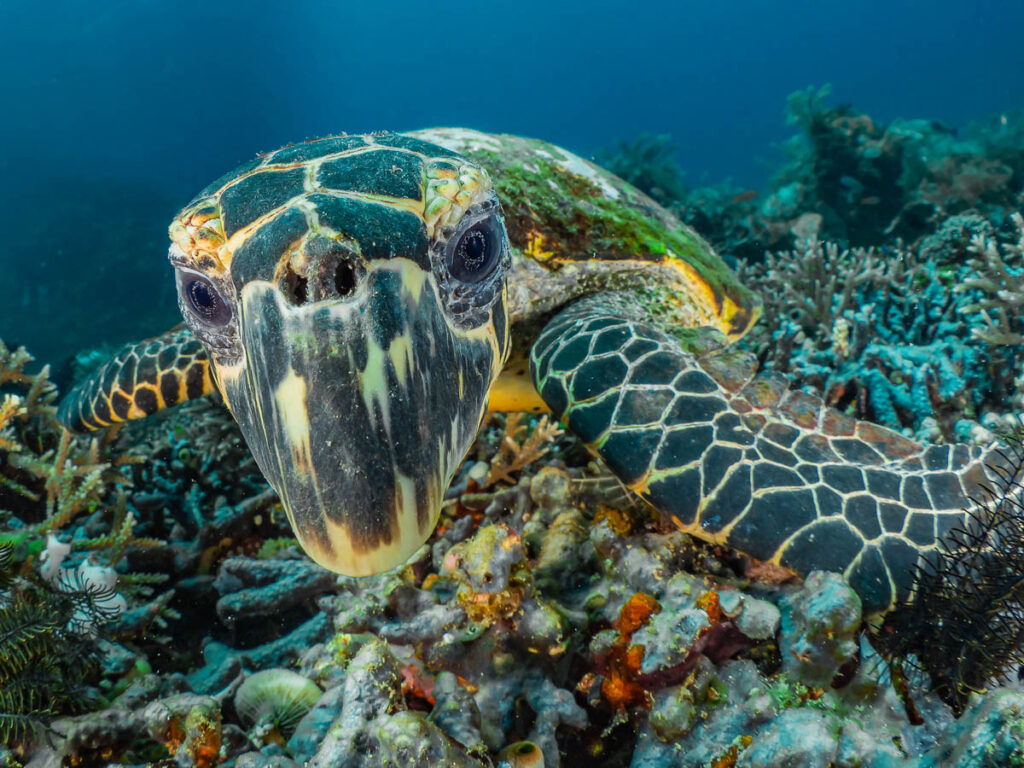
(138, 381)
(739, 459)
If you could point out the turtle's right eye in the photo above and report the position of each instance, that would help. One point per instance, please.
(203, 299)
(474, 252)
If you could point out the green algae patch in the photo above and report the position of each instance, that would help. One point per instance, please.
(560, 209)
(551, 208)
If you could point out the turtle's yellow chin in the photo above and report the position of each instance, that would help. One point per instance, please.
(359, 411)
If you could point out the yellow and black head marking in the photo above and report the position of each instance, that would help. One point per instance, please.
(351, 294)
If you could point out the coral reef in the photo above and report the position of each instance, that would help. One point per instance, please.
(846, 177)
(51, 608)
(551, 620)
(871, 182)
(94, 570)
(154, 608)
(926, 339)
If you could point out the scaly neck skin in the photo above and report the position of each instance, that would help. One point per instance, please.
(514, 390)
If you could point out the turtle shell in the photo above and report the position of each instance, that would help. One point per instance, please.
(577, 228)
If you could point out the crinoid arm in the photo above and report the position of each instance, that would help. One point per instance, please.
(964, 625)
(738, 459)
(138, 381)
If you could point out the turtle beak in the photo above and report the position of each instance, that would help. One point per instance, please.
(359, 410)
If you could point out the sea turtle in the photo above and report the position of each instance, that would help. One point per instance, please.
(360, 302)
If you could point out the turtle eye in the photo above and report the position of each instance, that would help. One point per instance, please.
(473, 253)
(203, 299)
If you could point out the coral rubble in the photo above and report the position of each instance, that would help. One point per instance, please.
(551, 621)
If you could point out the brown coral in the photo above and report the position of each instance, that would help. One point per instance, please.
(520, 446)
(189, 726)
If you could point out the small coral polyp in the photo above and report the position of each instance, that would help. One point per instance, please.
(275, 700)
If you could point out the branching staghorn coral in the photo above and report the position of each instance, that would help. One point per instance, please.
(886, 333)
(520, 446)
(50, 477)
(1000, 278)
(40, 461)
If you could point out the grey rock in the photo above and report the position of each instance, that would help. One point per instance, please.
(259, 760)
(797, 738)
(668, 638)
(758, 619)
(554, 707)
(455, 711)
(407, 740)
(820, 622)
(117, 660)
(371, 691)
(251, 587)
(312, 728)
(990, 734)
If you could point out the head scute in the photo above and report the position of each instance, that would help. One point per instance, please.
(452, 188)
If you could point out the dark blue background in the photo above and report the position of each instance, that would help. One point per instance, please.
(115, 113)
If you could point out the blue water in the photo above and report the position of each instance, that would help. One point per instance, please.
(115, 113)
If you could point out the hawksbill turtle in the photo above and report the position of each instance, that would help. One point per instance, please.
(362, 301)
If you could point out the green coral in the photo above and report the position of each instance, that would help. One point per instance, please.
(47, 477)
(276, 699)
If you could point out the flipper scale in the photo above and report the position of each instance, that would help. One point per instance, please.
(139, 380)
(740, 459)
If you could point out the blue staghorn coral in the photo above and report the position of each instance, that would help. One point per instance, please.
(915, 339)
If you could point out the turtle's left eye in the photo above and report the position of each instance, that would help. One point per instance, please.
(203, 299)
(473, 253)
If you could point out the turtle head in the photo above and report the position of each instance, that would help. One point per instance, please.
(351, 294)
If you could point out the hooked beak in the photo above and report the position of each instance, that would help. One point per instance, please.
(358, 411)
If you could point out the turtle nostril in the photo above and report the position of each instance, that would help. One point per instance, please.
(300, 290)
(322, 271)
(344, 278)
(294, 286)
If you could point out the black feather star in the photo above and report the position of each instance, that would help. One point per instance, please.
(965, 623)
(46, 660)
